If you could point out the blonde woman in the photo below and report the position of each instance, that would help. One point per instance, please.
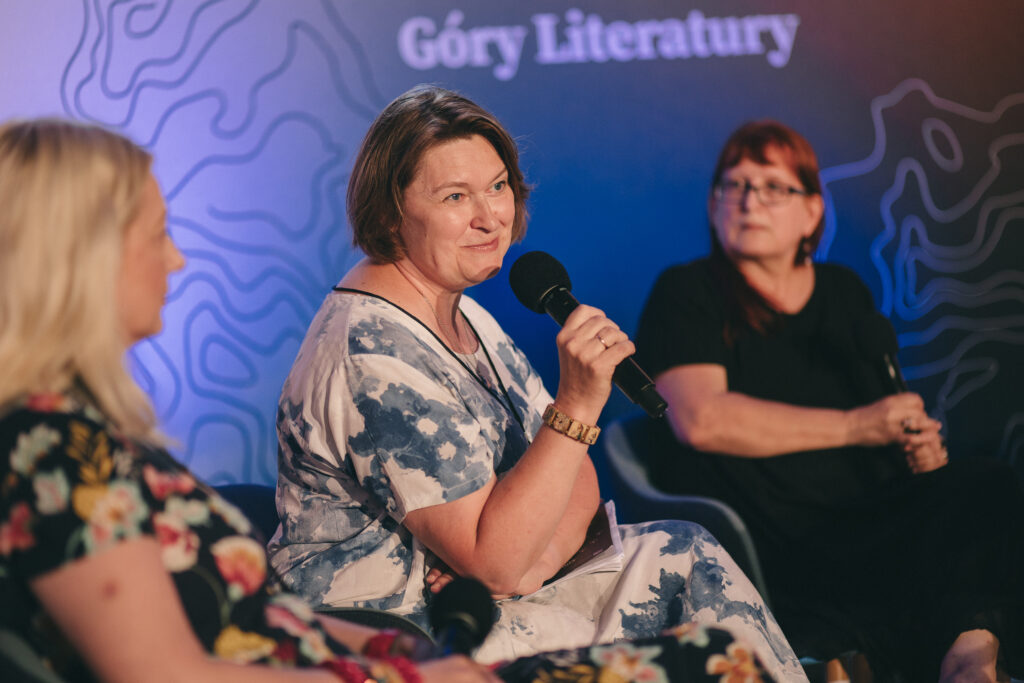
(115, 562)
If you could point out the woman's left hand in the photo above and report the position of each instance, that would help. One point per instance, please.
(439, 577)
(928, 457)
(924, 447)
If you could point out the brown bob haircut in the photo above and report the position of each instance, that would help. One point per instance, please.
(414, 122)
(755, 140)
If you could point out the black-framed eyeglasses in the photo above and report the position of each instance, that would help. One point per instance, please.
(769, 194)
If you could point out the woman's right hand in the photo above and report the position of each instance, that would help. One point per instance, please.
(456, 669)
(590, 346)
(894, 419)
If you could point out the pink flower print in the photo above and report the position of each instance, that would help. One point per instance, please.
(242, 563)
(46, 403)
(282, 618)
(179, 545)
(14, 533)
(163, 484)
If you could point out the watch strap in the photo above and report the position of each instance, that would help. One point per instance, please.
(570, 427)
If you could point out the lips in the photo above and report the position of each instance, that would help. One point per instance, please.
(485, 246)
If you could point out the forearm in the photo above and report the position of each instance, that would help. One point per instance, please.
(548, 497)
(351, 635)
(570, 534)
(737, 424)
(216, 671)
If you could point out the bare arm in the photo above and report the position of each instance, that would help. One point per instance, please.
(121, 610)
(570, 534)
(704, 414)
(499, 533)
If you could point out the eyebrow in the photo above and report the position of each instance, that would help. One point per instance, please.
(769, 176)
(460, 184)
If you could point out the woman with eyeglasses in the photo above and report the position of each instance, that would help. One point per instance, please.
(869, 538)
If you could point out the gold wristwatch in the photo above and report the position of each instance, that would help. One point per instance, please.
(574, 429)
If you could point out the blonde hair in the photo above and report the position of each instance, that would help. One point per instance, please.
(67, 194)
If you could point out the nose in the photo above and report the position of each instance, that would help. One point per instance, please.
(175, 259)
(745, 198)
(484, 217)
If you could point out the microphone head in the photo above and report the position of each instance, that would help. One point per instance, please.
(876, 337)
(464, 606)
(533, 275)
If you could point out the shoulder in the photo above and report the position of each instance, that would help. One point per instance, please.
(693, 272)
(685, 279)
(69, 475)
(685, 287)
(352, 323)
(41, 421)
(839, 280)
(838, 274)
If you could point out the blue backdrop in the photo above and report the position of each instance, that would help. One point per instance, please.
(254, 111)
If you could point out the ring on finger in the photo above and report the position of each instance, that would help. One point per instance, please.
(603, 342)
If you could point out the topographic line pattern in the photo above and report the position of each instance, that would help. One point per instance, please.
(252, 111)
(945, 247)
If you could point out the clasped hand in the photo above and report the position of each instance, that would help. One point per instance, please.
(901, 419)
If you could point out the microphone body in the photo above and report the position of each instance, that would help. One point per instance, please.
(892, 370)
(877, 341)
(461, 615)
(629, 377)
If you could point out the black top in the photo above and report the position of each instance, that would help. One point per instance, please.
(810, 360)
(857, 552)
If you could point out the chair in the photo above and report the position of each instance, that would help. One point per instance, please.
(636, 499)
(257, 502)
(19, 662)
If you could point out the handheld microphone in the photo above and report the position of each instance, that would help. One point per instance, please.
(877, 341)
(542, 284)
(461, 615)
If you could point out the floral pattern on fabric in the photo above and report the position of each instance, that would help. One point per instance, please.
(70, 488)
(652, 660)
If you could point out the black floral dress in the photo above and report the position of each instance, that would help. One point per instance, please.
(70, 487)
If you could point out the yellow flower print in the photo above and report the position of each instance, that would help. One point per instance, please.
(92, 450)
(235, 645)
(115, 511)
(579, 673)
(737, 664)
(628, 663)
